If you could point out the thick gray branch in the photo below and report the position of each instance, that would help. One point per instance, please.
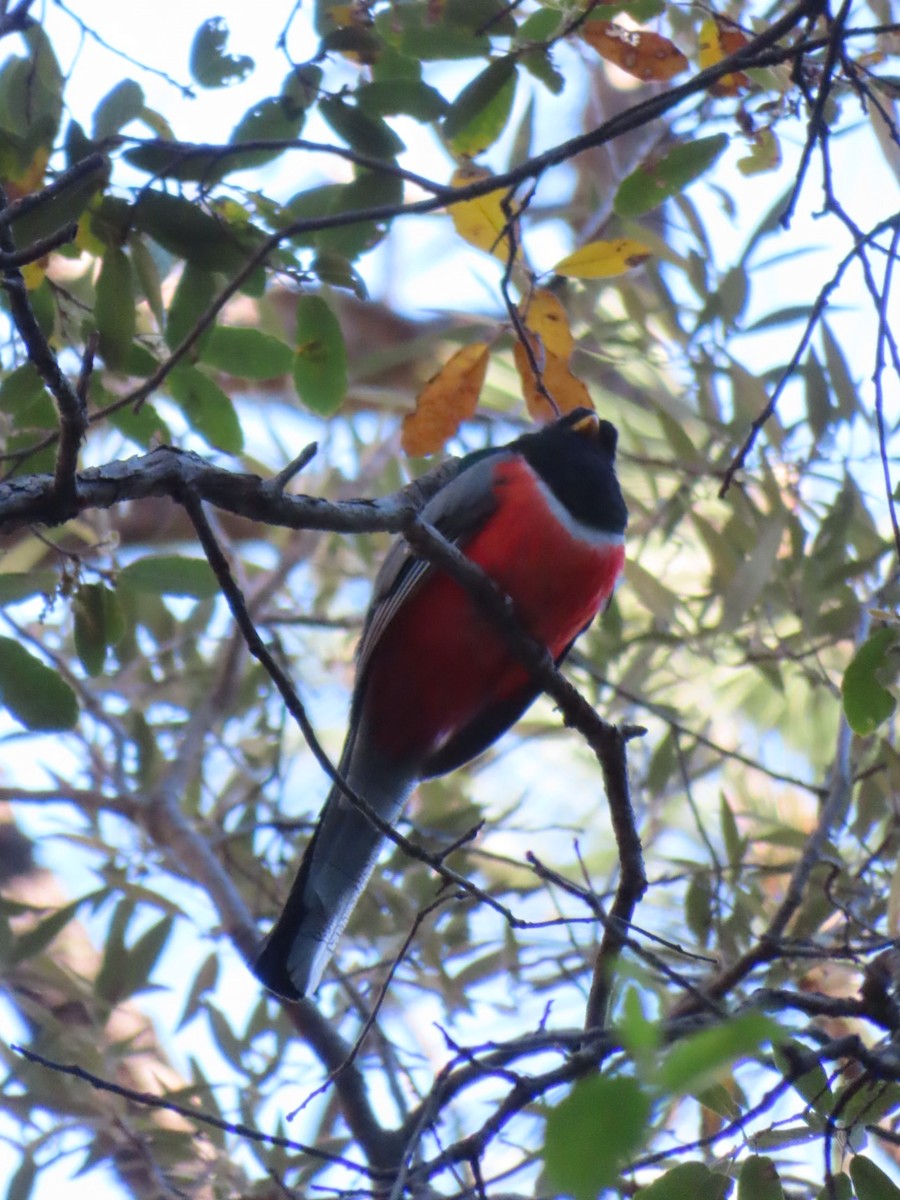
(167, 471)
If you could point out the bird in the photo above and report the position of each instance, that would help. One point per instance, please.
(436, 680)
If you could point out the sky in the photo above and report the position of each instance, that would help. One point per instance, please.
(163, 41)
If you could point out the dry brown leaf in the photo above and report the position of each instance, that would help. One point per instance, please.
(647, 56)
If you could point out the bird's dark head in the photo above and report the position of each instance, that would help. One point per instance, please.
(587, 423)
(575, 457)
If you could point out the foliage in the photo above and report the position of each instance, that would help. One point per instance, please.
(531, 206)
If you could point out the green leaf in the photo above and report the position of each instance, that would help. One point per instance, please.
(412, 31)
(338, 271)
(208, 408)
(274, 119)
(230, 1045)
(412, 97)
(689, 1179)
(731, 835)
(20, 389)
(870, 1182)
(541, 26)
(759, 1180)
(819, 408)
(392, 64)
(142, 427)
(539, 64)
(839, 373)
(842, 1189)
(110, 220)
(195, 292)
(868, 1104)
(592, 1132)
(247, 353)
(34, 693)
(210, 64)
(698, 908)
(65, 206)
(753, 574)
(148, 279)
(170, 575)
(30, 102)
(654, 595)
(639, 1033)
(371, 189)
(651, 184)
(313, 203)
(813, 1086)
(301, 85)
(204, 981)
(168, 160)
(720, 1100)
(186, 231)
(123, 104)
(114, 309)
(696, 1062)
(367, 134)
(866, 702)
(99, 623)
(479, 113)
(39, 937)
(134, 975)
(320, 364)
(15, 587)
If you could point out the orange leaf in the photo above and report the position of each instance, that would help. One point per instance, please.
(646, 56)
(545, 316)
(567, 391)
(482, 221)
(447, 399)
(717, 42)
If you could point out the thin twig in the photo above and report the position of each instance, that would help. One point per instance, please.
(196, 1115)
(39, 249)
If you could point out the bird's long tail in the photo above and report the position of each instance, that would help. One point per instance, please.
(335, 868)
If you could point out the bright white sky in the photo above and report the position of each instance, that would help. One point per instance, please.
(163, 40)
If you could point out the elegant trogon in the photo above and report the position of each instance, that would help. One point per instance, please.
(436, 681)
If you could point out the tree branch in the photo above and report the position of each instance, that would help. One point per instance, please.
(70, 406)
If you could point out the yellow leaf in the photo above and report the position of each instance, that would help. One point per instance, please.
(33, 273)
(603, 260)
(568, 392)
(482, 221)
(447, 399)
(545, 317)
(715, 43)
